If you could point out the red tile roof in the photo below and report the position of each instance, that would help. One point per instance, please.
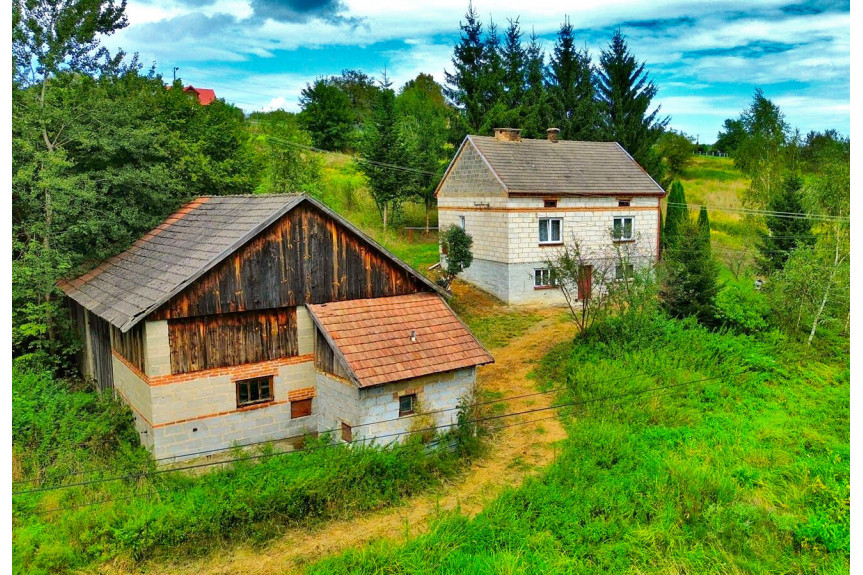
(373, 337)
(205, 95)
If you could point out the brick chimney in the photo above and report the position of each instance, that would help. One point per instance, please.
(507, 134)
(553, 133)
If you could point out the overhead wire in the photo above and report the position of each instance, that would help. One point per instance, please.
(373, 438)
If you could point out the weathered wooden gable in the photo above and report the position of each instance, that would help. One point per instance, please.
(306, 256)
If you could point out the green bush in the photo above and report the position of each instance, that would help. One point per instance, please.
(741, 307)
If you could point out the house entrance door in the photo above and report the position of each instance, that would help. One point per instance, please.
(585, 281)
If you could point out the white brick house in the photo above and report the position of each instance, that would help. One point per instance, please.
(521, 200)
(244, 319)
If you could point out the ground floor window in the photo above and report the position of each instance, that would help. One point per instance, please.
(347, 432)
(406, 404)
(255, 390)
(542, 278)
(623, 271)
(301, 408)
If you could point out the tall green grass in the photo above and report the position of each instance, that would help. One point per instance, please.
(746, 473)
(59, 430)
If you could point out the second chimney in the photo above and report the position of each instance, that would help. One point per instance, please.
(553, 133)
(507, 134)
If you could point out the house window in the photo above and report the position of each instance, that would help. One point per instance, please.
(623, 271)
(461, 223)
(623, 203)
(406, 404)
(301, 408)
(549, 203)
(347, 432)
(256, 390)
(623, 228)
(542, 278)
(550, 230)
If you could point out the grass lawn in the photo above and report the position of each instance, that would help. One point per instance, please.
(745, 473)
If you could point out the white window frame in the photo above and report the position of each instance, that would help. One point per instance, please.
(550, 240)
(623, 219)
(461, 223)
(547, 273)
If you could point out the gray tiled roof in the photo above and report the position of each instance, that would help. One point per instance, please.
(128, 286)
(565, 167)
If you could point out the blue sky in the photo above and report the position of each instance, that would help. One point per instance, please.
(706, 57)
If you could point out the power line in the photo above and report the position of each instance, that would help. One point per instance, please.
(375, 438)
(752, 211)
(671, 387)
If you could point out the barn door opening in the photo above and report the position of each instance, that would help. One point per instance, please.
(585, 281)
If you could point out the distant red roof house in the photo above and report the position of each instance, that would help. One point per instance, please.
(205, 95)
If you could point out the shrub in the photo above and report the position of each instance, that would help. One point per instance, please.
(740, 307)
(457, 245)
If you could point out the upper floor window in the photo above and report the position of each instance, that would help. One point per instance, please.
(623, 228)
(623, 202)
(549, 203)
(550, 230)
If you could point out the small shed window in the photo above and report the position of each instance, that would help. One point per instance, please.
(347, 432)
(406, 404)
(550, 230)
(301, 408)
(256, 390)
(623, 228)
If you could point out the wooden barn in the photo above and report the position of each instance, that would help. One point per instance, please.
(243, 319)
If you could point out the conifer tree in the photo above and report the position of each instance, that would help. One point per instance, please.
(464, 86)
(382, 144)
(689, 275)
(625, 93)
(785, 234)
(514, 66)
(704, 226)
(535, 101)
(571, 88)
(676, 214)
(493, 109)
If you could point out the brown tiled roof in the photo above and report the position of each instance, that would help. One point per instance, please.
(373, 337)
(127, 287)
(565, 167)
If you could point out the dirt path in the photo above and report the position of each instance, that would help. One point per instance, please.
(516, 452)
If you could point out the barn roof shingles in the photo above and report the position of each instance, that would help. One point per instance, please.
(564, 167)
(373, 337)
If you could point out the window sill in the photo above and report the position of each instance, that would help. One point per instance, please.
(544, 287)
(406, 413)
(546, 244)
(629, 241)
(259, 405)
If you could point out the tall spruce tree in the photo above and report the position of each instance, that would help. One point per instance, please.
(514, 66)
(382, 144)
(535, 103)
(676, 214)
(784, 234)
(464, 88)
(689, 276)
(494, 109)
(571, 88)
(625, 93)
